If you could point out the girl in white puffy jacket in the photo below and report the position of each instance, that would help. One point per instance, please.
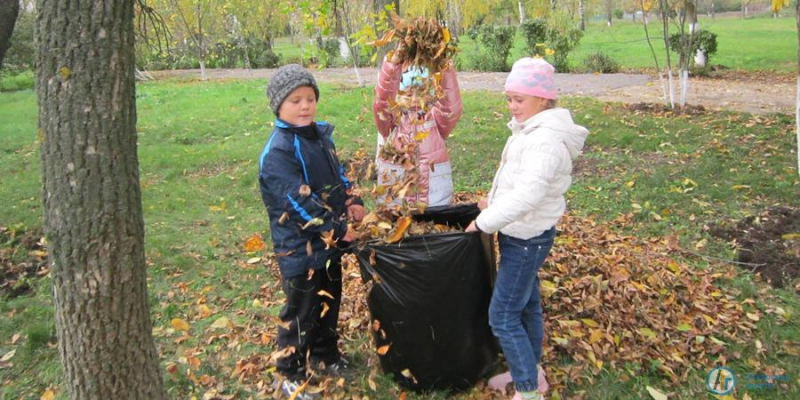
(524, 205)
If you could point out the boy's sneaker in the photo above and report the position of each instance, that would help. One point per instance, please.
(297, 389)
(340, 369)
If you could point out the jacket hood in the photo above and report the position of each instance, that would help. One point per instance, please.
(559, 122)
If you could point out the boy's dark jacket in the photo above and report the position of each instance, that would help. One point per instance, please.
(294, 157)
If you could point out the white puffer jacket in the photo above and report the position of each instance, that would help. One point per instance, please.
(527, 196)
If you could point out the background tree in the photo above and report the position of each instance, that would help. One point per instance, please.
(797, 100)
(199, 18)
(9, 9)
(92, 199)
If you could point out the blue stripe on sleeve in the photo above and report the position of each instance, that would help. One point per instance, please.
(299, 209)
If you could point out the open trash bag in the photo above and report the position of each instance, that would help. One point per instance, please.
(430, 301)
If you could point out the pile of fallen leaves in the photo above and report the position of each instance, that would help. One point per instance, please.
(625, 302)
(22, 257)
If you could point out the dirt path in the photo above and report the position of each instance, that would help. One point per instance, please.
(755, 93)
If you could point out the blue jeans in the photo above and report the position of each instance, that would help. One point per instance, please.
(515, 312)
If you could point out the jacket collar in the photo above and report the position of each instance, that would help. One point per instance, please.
(530, 123)
(315, 130)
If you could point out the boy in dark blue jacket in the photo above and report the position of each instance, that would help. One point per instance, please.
(307, 197)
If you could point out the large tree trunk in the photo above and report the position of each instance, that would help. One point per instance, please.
(9, 9)
(92, 199)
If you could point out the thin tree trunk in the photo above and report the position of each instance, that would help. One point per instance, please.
(521, 7)
(797, 100)
(655, 58)
(665, 25)
(583, 17)
(92, 199)
(9, 10)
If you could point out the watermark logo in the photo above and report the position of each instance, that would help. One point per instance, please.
(765, 381)
(720, 380)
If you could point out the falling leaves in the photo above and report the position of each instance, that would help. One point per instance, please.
(402, 224)
(383, 349)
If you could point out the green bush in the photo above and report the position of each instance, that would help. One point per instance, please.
(618, 14)
(600, 62)
(559, 34)
(330, 48)
(494, 47)
(702, 39)
(535, 33)
(11, 81)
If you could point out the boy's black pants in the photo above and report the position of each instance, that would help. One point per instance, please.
(310, 334)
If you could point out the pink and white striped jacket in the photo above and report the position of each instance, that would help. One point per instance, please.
(435, 186)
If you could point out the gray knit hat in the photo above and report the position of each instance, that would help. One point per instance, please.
(285, 81)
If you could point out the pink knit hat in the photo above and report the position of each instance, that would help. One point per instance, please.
(532, 77)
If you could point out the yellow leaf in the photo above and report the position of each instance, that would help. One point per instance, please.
(647, 332)
(383, 349)
(590, 323)
(220, 323)
(253, 260)
(65, 73)
(180, 324)
(596, 335)
(740, 187)
(8, 355)
(218, 208)
(325, 308)
(48, 395)
(445, 35)
(402, 225)
(753, 316)
(204, 311)
(630, 183)
(790, 236)
(326, 294)
(254, 243)
(656, 394)
(420, 136)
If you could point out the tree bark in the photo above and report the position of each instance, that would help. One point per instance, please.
(797, 100)
(521, 7)
(9, 10)
(92, 199)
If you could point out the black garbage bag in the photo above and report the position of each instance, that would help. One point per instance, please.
(430, 299)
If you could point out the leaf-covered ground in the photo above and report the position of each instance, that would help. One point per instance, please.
(635, 260)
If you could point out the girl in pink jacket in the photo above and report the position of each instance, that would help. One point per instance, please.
(435, 184)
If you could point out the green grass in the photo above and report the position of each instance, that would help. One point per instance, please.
(198, 146)
(753, 44)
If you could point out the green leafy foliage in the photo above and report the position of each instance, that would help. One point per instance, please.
(495, 46)
(600, 62)
(704, 40)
